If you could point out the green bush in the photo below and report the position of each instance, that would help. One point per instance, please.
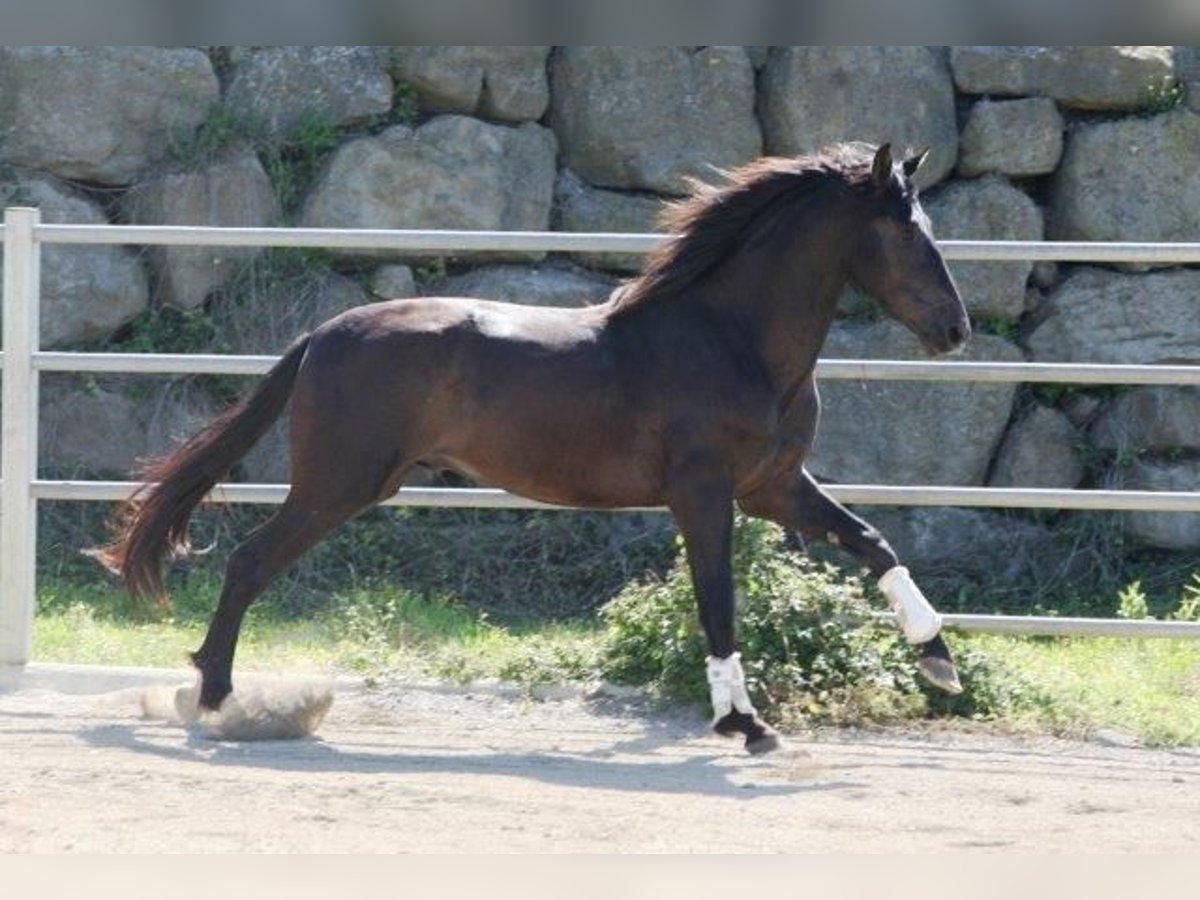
(814, 642)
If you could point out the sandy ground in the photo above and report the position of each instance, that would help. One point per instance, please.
(419, 769)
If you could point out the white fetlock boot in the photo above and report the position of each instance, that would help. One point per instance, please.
(918, 620)
(727, 686)
(920, 623)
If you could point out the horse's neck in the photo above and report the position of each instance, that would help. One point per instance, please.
(790, 306)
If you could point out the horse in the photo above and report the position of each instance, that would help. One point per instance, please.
(691, 387)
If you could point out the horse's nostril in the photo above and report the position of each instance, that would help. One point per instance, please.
(956, 334)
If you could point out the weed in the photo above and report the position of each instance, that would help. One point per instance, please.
(1054, 394)
(814, 646)
(1189, 604)
(294, 163)
(1131, 602)
(166, 329)
(1008, 329)
(405, 111)
(223, 129)
(431, 272)
(1162, 95)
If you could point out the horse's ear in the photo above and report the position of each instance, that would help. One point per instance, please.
(914, 162)
(881, 169)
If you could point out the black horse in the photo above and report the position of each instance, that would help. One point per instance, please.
(691, 387)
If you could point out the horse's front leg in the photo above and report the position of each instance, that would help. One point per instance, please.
(799, 503)
(703, 509)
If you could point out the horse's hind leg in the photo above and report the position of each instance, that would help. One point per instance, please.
(332, 483)
(252, 566)
(801, 505)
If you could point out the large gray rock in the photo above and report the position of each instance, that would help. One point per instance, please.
(1154, 418)
(394, 282)
(1042, 450)
(506, 83)
(896, 432)
(87, 291)
(454, 172)
(988, 209)
(814, 96)
(1012, 137)
(100, 114)
(110, 427)
(646, 117)
(1187, 70)
(1171, 531)
(950, 545)
(580, 207)
(281, 86)
(535, 286)
(95, 431)
(1118, 78)
(232, 192)
(1130, 180)
(1098, 316)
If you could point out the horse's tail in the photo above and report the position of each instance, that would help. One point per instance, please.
(153, 522)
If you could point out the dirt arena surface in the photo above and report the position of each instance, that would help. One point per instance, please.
(412, 769)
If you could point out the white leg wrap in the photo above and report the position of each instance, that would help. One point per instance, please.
(727, 684)
(919, 621)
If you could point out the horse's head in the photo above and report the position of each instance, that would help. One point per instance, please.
(895, 260)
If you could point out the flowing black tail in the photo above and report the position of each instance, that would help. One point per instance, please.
(153, 522)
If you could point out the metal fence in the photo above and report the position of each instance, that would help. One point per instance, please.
(23, 361)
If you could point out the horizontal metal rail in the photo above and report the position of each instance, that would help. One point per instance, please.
(1014, 498)
(445, 241)
(830, 369)
(1061, 626)
(858, 494)
(153, 363)
(1004, 372)
(1073, 251)
(449, 498)
(561, 241)
(1055, 626)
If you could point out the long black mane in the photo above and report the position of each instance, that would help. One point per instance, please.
(715, 220)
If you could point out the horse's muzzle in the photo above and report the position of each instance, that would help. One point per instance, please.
(951, 338)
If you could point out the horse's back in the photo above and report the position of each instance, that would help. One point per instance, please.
(539, 400)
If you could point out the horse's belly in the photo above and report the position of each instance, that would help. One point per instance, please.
(595, 468)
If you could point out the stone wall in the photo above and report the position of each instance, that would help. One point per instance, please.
(1079, 143)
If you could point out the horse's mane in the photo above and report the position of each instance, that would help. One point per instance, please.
(715, 220)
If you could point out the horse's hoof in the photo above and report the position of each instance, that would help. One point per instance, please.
(764, 743)
(212, 695)
(940, 673)
(760, 737)
(733, 723)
